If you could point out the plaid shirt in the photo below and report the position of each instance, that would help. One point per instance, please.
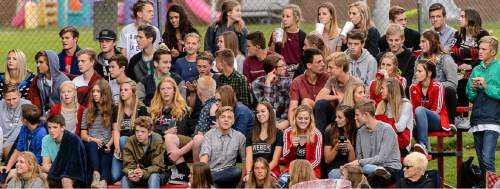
(276, 94)
(240, 86)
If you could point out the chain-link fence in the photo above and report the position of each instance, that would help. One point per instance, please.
(33, 25)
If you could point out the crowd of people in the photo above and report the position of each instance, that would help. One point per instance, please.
(338, 103)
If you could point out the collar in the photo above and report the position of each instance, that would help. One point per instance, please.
(219, 134)
(489, 65)
(231, 75)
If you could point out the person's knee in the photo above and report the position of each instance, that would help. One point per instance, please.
(420, 111)
(171, 139)
(66, 182)
(307, 101)
(123, 139)
(322, 105)
(198, 140)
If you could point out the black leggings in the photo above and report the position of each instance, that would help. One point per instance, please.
(450, 99)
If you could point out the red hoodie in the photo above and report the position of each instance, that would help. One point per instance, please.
(313, 151)
(436, 103)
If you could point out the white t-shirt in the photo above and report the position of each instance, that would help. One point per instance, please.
(80, 82)
(128, 40)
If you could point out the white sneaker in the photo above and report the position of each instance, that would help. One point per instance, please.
(462, 122)
(420, 148)
(382, 172)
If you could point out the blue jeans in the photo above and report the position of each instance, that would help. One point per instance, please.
(99, 160)
(426, 121)
(368, 169)
(227, 178)
(485, 143)
(154, 181)
(116, 164)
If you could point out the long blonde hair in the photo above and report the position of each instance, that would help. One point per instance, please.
(34, 170)
(21, 70)
(395, 72)
(349, 94)
(300, 170)
(366, 21)
(394, 99)
(310, 128)
(179, 105)
(334, 28)
(121, 104)
(297, 15)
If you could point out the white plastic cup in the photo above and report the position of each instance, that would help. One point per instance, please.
(279, 35)
(320, 27)
(348, 26)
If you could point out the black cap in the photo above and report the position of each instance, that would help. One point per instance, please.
(107, 34)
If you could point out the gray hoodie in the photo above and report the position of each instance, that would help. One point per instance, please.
(10, 121)
(57, 78)
(364, 68)
(378, 146)
(446, 71)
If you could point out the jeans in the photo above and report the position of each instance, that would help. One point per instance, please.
(154, 181)
(368, 169)
(324, 112)
(485, 143)
(99, 160)
(283, 180)
(116, 164)
(426, 121)
(227, 178)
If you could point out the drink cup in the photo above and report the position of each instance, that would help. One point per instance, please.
(320, 27)
(279, 35)
(348, 26)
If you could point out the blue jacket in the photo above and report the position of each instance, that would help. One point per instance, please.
(32, 141)
(245, 119)
(74, 62)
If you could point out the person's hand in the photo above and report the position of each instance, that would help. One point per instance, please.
(174, 52)
(98, 142)
(118, 153)
(273, 34)
(245, 178)
(172, 130)
(132, 176)
(190, 86)
(481, 81)
(139, 173)
(175, 155)
(353, 163)
(107, 147)
(270, 78)
(4, 169)
(384, 73)
(295, 141)
(465, 67)
(349, 146)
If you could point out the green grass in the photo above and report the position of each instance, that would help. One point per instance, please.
(33, 40)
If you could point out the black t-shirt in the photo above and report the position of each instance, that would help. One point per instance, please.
(301, 152)
(126, 126)
(166, 121)
(262, 148)
(339, 159)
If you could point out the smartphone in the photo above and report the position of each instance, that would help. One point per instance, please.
(342, 139)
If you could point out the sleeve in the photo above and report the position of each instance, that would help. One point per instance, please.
(246, 67)
(318, 147)
(45, 148)
(206, 147)
(209, 40)
(390, 140)
(141, 91)
(471, 93)
(359, 152)
(142, 111)
(382, 44)
(408, 73)
(372, 70)
(289, 151)
(34, 95)
(114, 115)
(242, 149)
(371, 43)
(248, 141)
(83, 122)
(405, 116)
(437, 102)
(493, 84)
(157, 161)
(245, 92)
(129, 162)
(450, 41)
(294, 91)
(21, 140)
(122, 40)
(243, 41)
(257, 87)
(279, 138)
(327, 141)
(450, 70)
(245, 119)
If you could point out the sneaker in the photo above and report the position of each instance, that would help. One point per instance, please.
(453, 128)
(382, 172)
(420, 148)
(179, 176)
(96, 180)
(462, 122)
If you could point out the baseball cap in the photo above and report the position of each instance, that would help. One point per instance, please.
(107, 34)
